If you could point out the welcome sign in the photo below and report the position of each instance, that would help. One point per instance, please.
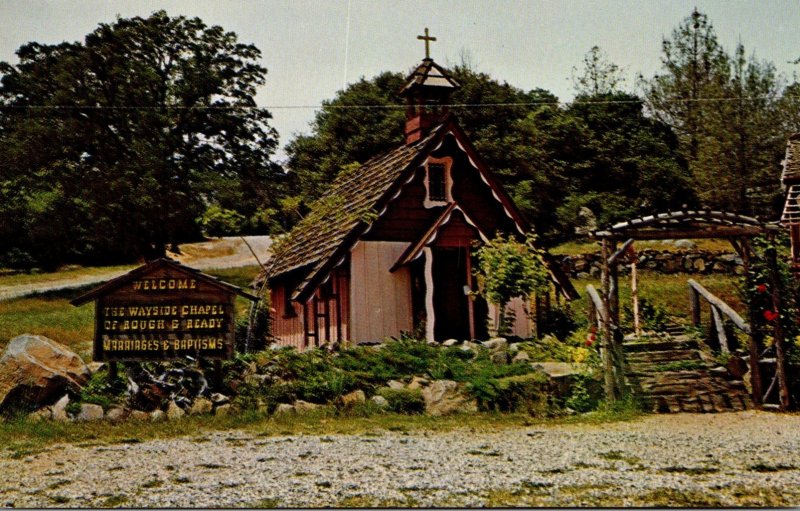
(164, 310)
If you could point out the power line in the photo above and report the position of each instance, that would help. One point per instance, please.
(379, 107)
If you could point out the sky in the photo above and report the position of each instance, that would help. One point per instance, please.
(313, 48)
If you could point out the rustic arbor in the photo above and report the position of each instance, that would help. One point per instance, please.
(738, 229)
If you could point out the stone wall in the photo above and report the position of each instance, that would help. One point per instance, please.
(662, 261)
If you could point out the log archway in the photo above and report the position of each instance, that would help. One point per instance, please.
(736, 228)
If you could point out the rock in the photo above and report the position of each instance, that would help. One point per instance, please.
(417, 382)
(224, 410)
(284, 408)
(699, 264)
(396, 385)
(443, 397)
(513, 348)
(35, 369)
(357, 396)
(201, 406)
(522, 356)
(496, 343)
(380, 402)
(117, 414)
(219, 399)
(450, 342)
(60, 409)
(174, 411)
(737, 367)
(158, 415)
(687, 244)
(468, 346)
(138, 415)
(595, 271)
(90, 412)
(582, 275)
(95, 366)
(42, 414)
(500, 357)
(304, 406)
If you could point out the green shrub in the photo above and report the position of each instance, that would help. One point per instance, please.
(404, 400)
(218, 221)
(101, 390)
(524, 392)
(579, 397)
(325, 386)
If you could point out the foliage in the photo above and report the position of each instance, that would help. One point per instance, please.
(102, 390)
(579, 397)
(726, 112)
(218, 221)
(404, 400)
(558, 321)
(525, 392)
(599, 74)
(136, 129)
(652, 315)
(508, 269)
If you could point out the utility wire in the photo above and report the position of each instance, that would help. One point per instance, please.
(377, 107)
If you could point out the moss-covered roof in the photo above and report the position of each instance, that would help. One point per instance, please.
(339, 215)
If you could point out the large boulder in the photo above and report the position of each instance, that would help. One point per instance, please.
(90, 412)
(443, 397)
(34, 370)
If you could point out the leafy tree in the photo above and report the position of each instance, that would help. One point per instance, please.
(598, 76)
(726, 112)
(113, 147)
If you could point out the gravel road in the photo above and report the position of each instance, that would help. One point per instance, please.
(723, 458)
(240, 256)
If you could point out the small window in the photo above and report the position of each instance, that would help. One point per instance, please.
(288, 306)
(436, 182)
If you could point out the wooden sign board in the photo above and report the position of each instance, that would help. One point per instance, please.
(163, 310)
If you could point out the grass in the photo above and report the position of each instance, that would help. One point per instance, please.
(588, 246)
(680, 365)
(668, 291)
(22, 437)
(51, 314)
(21, 279)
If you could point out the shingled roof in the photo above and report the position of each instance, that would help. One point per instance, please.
(339, 213)
(791, 163)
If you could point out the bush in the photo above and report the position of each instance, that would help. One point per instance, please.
(218, 221)
(579, 397)
(404, 400)
(525, 392)
(101, 390)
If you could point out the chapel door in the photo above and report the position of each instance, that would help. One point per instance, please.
(450, 304)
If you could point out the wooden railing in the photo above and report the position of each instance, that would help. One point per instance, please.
(718, 309)
(597, 312)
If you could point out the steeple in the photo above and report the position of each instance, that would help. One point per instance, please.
(427, 91)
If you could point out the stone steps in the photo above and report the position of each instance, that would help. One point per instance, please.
(695, 388)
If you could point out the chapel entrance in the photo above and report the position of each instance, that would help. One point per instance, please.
(451, 304)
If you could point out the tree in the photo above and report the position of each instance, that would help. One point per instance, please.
(599, 74)
(726, 113)
(115, 146)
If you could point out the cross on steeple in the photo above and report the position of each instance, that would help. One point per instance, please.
(427, 38)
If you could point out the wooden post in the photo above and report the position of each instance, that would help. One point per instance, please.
(637, 328)
(720, 325)
(780, 354)
(694, 301)
(613, 313)
(608, 365)
(538, 304)
(112, 370)
(755, 332)
(470, 300)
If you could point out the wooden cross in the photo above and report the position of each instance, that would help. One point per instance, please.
(427, 38)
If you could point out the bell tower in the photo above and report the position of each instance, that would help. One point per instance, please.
(426, 91)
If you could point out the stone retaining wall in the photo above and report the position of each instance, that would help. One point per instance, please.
(662, 261)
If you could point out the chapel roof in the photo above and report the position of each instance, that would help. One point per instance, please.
(346, 205)
(429, 74)
(791, 163)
